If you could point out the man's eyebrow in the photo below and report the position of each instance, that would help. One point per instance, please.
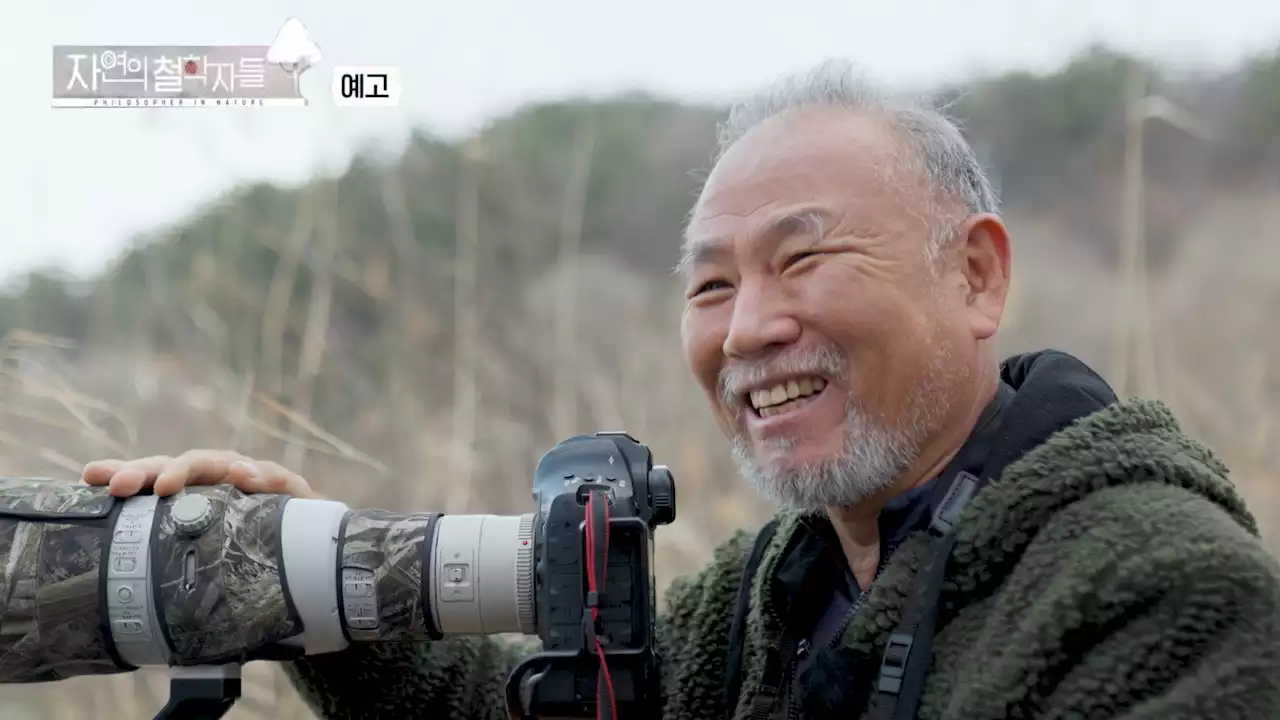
(807, 221)
(696, 251)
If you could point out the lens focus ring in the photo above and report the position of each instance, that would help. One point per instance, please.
(524, 577)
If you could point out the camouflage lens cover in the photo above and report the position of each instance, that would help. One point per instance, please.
(221, 592)
(382, 557)
(53, 535)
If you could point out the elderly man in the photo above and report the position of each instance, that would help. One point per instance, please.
(960, 537)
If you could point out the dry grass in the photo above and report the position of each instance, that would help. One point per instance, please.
(1211, 331)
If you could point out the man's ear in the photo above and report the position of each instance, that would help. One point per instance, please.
(985, 263)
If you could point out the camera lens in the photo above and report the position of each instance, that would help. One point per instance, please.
(482, 576)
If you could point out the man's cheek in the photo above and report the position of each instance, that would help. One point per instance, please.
(727, 418)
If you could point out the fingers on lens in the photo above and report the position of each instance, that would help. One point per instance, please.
(128, 482)
(173, 477)
(133, 476)
(245, 475)
(275, 478)
(168, 475)
(100, 472)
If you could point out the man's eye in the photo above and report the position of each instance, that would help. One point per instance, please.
(708, 286)
(800, 256)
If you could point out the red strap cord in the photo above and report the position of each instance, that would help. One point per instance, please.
(596, 502)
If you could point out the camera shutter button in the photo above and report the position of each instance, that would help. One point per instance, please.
(191, 514)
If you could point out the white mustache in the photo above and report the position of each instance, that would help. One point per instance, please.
(737, 375)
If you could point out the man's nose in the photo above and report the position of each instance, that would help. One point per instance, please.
(762, 319)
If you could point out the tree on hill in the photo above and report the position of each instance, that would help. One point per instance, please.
(337, 290)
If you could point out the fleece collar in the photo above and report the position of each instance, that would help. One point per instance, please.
(1041, 394)
(1063, 438)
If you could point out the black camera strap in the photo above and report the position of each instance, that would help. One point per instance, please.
(908, 652)
(733, 671)
(597, 552)
(909, 649)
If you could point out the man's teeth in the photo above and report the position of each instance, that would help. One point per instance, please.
(785, 392)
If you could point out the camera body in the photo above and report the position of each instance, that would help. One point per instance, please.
(599, 499)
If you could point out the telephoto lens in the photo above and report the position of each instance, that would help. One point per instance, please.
(97, 584)
(211, 578)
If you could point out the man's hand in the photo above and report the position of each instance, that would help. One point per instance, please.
(167, 475)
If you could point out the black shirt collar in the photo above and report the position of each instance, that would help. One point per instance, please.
(814, 556)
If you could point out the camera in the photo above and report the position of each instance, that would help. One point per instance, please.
(211, 578)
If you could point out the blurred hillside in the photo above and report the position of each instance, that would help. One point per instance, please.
(417, 331)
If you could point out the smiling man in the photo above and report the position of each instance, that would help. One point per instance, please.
(959, 538)
(841, 301)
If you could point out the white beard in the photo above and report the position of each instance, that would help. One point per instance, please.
(874, 455)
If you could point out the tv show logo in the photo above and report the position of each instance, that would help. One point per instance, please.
(133, 76)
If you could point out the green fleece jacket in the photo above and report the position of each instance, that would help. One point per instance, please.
(1110, 572)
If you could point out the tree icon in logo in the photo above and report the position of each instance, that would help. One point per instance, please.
(294, 50)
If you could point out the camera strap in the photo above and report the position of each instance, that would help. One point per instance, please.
(733, 671)
(909, 649)
(597, 552)
(908, 652)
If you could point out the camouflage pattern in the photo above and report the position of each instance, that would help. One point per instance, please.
(238, 602)
(390, 546)
(51, 623)
(53, 497)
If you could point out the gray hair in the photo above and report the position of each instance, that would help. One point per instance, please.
(937, 150)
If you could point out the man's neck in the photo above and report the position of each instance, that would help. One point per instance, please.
(856, 526)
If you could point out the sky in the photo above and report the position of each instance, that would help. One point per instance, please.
(77, 185)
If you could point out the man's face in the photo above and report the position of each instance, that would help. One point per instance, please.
(815, 322)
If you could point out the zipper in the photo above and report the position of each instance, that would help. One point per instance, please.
(793, 708)
(792, 660)
(848, 620)
(802, 648)
(788, 675)
(862, 598)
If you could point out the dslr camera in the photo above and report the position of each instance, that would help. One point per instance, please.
(211, 578)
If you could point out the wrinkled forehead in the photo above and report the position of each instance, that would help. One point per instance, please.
(716, 238)
(809, 172)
